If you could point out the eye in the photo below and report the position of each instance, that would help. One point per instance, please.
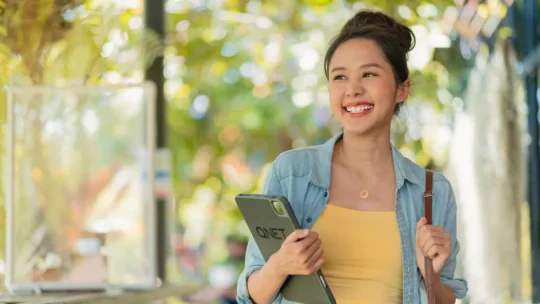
(339, 77)
(369, 75)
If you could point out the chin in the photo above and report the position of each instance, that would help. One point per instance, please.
(358, 130)
(364, 129)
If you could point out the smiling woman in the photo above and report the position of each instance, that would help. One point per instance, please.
(360, 199)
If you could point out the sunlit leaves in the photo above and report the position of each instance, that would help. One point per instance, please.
(317, 2)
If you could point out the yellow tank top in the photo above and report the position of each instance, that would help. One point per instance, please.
(362, 254)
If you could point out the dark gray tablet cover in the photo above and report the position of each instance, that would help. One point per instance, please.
(269, 226)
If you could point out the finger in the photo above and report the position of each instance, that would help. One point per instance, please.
(428, 231)
(436, 229)
(301, 246)
(422, 236)
(426, 235)
(318, 265)
(448, 237)
(443, 234)
(311, 249)
(433, 228)
(421, 223)
(437, 232)
(296, 235)
(315, 256)
(432, 241)
(437, 250)
(309, 239)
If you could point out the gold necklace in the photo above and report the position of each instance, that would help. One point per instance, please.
(364, 193)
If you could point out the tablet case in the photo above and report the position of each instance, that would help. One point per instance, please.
(269, 231)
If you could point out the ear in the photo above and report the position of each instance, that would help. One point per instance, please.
(402, 92)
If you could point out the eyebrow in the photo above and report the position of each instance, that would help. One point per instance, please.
(367, 65)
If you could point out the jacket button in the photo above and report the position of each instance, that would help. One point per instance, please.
(308, 220)
(326, 194)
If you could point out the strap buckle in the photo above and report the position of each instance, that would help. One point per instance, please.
(428, 193)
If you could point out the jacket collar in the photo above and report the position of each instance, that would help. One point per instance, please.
(405, 169)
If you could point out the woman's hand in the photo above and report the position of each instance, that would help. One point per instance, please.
(434, 242)
(300, 254)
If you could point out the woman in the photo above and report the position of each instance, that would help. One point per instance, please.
(356, 195)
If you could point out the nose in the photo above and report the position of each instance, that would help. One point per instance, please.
(354, 89)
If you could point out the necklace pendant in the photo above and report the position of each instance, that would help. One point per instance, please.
(364, 194)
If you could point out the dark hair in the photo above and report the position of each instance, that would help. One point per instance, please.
(395, 40)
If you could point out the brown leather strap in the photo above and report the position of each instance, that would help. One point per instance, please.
(428, 264)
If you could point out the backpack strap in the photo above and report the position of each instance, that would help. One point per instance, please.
(428, 264)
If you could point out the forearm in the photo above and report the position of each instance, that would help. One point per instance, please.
(443, 293)
(264, 284)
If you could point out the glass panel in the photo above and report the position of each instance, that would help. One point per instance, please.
(81, 203)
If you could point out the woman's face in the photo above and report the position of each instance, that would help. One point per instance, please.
(362, 87)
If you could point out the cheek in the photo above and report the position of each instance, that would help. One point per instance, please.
(381, 90)
(336, 92)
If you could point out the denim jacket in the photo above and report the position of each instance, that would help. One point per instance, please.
(303, 177)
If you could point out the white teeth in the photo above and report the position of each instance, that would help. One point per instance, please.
(359, 109)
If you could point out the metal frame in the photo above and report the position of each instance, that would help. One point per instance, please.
(154, 19)
(38, 287)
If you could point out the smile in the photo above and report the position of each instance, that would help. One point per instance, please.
(359, 109)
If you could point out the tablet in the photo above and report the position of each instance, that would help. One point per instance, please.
(270, 220)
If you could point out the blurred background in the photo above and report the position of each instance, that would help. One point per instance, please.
(129, 126)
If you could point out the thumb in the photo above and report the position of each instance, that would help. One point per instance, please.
(421, 223)
(296, 235)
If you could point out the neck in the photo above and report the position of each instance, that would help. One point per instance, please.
(366, 154)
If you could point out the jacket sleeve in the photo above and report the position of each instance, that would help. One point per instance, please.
(254, 259)
(459, 286)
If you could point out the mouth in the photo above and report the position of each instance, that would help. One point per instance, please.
(358, 109)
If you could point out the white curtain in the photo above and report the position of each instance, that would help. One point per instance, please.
(487, 170)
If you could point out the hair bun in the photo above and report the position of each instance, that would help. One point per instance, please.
(408, 40)
(394, 39)
(400, 33)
